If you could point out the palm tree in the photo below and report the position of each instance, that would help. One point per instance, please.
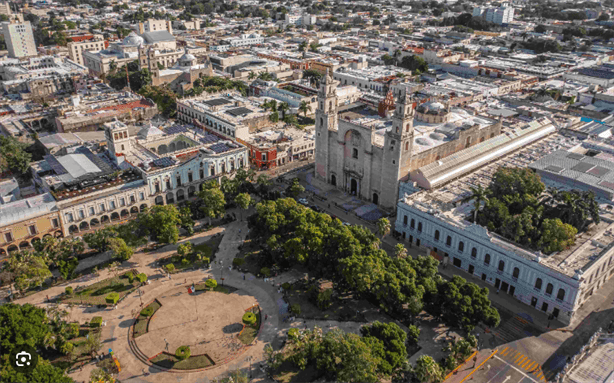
(383, 227)
(273, 105)
(252, 75)
(478, 194)
(304, 107)
(266, 106)
(283, 108)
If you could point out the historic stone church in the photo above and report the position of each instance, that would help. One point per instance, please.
(367, 156)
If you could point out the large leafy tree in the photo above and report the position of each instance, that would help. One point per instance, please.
(213, 201)
(13, 155)
(27, 269)
(393, 339)
(345, 357)
(120, 249)
(160, 223)
(99, 239)
(26, 325)
(427, 370)
(243, 200)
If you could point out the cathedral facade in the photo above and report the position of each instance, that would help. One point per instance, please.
(369, 160)
(348, 157)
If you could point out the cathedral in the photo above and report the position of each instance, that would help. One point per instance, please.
(366, 155)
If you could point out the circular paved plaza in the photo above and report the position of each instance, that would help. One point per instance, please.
(209, 322)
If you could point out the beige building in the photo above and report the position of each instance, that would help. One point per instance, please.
(19, 39)
(153, 25)
(76, 49)
(28, 220)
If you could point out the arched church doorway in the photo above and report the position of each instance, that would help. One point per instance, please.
(375, 198)
(353, 187)
(333, 180)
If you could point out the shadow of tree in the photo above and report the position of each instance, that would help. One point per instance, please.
(232, 328)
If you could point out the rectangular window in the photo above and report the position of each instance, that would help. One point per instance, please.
(69, 217)
(81, 213)
(112, 204)
(8, 237)
(55, 222)
(102, 208)
(92, 210)
(141, 196)
(32, 229)
(122, 202)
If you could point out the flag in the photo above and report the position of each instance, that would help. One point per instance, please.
(191, 289)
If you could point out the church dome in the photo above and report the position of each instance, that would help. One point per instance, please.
(133, 40)
(433, 107)
(437, 136)
(187, 57)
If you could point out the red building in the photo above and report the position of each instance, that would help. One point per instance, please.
(262, 157)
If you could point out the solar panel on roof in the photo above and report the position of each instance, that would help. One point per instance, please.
(554, 169)
(599, 171)
(575, 156)
(583, 167)
(219, 148)
(164, 162)
(217, 102)
(238, 111)
(176, 129)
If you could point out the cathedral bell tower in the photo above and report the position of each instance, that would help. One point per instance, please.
(398, 145)
(326, 121)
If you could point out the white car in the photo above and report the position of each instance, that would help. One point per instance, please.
(303, 201)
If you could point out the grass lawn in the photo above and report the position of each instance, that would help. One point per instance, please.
(208, 247)
(342, 309)
(288, 373)
(95, 294)
(249, 333)
(142, 322)
(167, 360)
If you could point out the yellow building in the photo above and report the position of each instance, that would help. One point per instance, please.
(28, 220)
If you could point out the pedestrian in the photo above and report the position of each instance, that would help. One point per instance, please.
(185, 280)
(498, 290)
(47, 298)
(166, 344)
(243, 276)
(475, 360)
(266, 316)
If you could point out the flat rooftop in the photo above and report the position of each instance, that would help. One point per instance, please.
(447, 201)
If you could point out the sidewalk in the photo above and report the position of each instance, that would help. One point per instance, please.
(464, 372)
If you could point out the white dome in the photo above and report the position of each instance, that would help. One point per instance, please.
(187, 57)
(434, 105)
(133, 39)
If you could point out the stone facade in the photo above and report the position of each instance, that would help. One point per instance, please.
(347, 156)
(510, 269)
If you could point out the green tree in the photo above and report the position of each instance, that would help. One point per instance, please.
(516, 182)
(414, 63)
(213, 201)
(383, 227)
(99, 239)
(27, 269)
(67, 267)
(283, 108)
(13, 156)
(427, 370)
(400, 251)
(263, 183)
(274, 117)
(393, 338)
(186, 221)
(389, 60)
(556, 235)
(478, 195)
(295, 188)
(160, 223)
(185, 249)
(304, 107)
(345, 357)
(120, 249)
(313, 76)
(211, 283)
(243, 200)
(163, 96)
(100, 375)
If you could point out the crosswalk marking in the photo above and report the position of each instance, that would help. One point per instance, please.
(504, 350)
(518, 357)
(525, 363)
(530, 366)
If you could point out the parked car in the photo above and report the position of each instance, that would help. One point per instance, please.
(303, 201)
(317, 209)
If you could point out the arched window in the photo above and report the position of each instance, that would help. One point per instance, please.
(487, 259)
(407, 128)
(538, 284)
(516, 272)
(321, 121)
(354, 153)
(420, 227)
(501, 265)
(407, 146)
(436, 235)
(449, 241)
(461, 246)
(549, 289)
(412, 223)
(560, 295)
(405, 220)
(474, 252)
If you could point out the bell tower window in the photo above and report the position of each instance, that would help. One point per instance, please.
(354, 153)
